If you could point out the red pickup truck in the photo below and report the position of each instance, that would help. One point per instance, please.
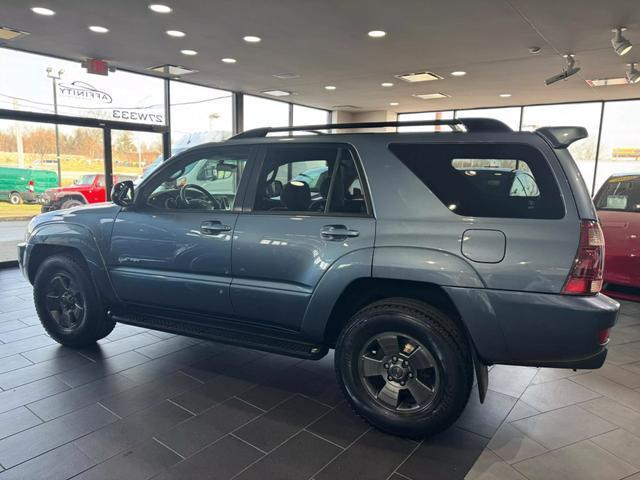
(89, 188)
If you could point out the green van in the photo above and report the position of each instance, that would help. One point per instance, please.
(19, 185)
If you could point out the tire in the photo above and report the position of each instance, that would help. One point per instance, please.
(67, 303)
(71, 203)
(15, 198)
(433, 360)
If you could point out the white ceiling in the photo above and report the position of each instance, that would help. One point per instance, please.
(326, 43)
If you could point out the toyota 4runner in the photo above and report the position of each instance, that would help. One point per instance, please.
(421, 258)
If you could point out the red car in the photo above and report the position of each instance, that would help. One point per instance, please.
(618, 205)
(87, 189)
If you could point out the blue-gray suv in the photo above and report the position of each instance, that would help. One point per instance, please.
(421, 258)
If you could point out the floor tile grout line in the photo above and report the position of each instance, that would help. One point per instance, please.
(110, 411)
(341, 452)
(182, 408)
(249, 403)
(168, 448)
(400, 475)
(322, 438)
(186, 375)
(395, 470)
(231, 434)
(27, 407)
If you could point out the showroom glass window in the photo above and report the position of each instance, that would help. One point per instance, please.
(620, 140)
(508, 115)
(576, 114)
(309, 116)
(199, 115)
(262, 112)
(408, 117)
(119, 96)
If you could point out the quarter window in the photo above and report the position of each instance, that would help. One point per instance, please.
(312, 179)
(486, 180)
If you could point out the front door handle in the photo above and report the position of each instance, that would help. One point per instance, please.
(213, 227)
(337, 232)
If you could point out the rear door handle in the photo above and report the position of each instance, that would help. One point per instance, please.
(213, 227)
(337, 232)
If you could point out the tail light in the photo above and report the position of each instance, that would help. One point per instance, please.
(31, 186)
(585, 277)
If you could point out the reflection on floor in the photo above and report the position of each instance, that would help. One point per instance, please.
(145, 404)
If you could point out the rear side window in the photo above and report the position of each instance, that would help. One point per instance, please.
(486, 180)
(620, 193)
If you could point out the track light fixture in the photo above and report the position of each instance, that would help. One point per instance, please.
(633, 74)
(620, 44)
(569, 70)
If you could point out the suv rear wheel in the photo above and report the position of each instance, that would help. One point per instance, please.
(72, 202)
(67, 303)
(405, 367)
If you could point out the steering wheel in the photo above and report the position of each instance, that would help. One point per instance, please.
(192, 186)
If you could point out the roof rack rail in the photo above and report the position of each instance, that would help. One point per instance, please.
(469, 124)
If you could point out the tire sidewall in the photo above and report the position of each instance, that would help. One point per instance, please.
(50, 267)
(70, 204)
(451, 370)
(15, 198)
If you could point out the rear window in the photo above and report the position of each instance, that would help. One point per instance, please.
(486, 180)
(620, 193)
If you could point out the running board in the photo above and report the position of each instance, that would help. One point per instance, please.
(224, 334)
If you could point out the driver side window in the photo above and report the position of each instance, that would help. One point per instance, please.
(208, 181)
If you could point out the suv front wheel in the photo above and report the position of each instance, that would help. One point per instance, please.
(405, 367)
(67, 303)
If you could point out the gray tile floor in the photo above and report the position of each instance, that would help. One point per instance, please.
(146, 404)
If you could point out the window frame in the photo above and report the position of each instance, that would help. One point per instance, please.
(261, 156)
(182, 159)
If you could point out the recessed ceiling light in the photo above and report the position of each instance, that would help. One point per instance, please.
(229, 60)
(394, 104)
(377, 33)
(286, 76)
(98, 29)
(159, 8)
(252, 39)
(188, 52)
(175, 33)
(43, 11)
(504, 95)
(606, 82)
(329, 87)
(172, 70)
(458, 73)
(387, 84)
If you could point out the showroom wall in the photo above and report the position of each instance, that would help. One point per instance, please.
(613, 145)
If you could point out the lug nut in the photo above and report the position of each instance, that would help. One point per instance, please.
(405, 364)
(386, 365)
(410, 375)
(402, 382)
(389, 378)
(394, 359)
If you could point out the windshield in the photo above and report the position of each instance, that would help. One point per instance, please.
(85, 180)
(620, 193)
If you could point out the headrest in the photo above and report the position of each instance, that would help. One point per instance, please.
(324, 187)
(296, 196)
(273, 189)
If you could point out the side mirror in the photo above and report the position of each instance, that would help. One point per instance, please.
(122, 193)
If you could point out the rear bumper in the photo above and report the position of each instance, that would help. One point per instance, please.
(536, 329)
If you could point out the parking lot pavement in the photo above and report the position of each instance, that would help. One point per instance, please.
(11, 233)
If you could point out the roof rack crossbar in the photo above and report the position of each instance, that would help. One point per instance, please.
(469, 124)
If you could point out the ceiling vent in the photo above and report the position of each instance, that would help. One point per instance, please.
(419, 77)
(9, 34)
(286, 76)
(431, 96)
(607, 82)
(345, 107)
(173, 70)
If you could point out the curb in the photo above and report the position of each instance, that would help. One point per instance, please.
(20, 218)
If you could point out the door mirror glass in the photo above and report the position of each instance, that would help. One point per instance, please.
(122, 193)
